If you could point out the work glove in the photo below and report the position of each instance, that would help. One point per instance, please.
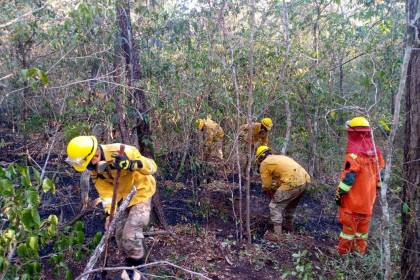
(121, 161)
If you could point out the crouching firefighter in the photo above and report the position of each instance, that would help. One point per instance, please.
(213, 135)
(356, 192)
(284, 181)
(84, 152)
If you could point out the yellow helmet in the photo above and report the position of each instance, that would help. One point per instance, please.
(199, 123)
(80, 151)
(261, 150)
(267, 123)
(358, 123)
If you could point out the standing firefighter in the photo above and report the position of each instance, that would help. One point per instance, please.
(136, 170)
(284, 181)
(213, 139)
(356, 192)
(259, 132)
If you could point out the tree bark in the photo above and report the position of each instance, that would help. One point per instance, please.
(129, 51)
(133, 76)
(119, 96)
(411, 193)
(410, 196)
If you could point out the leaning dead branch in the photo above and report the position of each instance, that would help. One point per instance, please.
(101, 246)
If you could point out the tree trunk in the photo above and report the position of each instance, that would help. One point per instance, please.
(238, 158)
(23, 50)
(119, 95)
(312, 122)
(411, 193)
(130, 53)
(410, 196)
(234, 77)
(282, 79)
(341, 92)
(133, 76)
(249, 118)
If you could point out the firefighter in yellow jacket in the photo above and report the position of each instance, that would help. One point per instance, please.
(284, 181)
(259, 132)
(213, 139)
(84, 152)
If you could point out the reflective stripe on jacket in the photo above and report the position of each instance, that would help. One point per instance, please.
(141, 178)
(259, 135)
(282, 172)
(359, 180)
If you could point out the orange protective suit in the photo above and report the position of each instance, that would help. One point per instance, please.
(356, 196)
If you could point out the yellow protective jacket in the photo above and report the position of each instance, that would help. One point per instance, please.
(141, 178)
(258, 135)
(213, 132)
(282, 172)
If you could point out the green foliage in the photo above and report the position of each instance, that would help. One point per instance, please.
(48, 185)
(24, 230)
(75, 129)
(303, 267)
(71, 245)
(35, 76)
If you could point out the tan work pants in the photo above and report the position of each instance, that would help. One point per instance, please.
(283, 206)
(129, 231)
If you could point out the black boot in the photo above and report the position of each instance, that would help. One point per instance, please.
(136, 262)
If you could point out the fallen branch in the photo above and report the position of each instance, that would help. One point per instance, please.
(101, 246)
(86, 273)
(157, 232)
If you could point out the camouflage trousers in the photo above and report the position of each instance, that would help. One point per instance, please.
(283, 206)
(213, 152)
(129, 231)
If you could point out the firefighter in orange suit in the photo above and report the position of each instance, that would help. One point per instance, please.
(356, 192)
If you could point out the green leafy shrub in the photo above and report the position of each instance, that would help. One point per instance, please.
(71, 246)
(74, 130)
(23, 231)
(303, 267)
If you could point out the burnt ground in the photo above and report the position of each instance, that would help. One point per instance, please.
(205, 236)
(199, 211)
